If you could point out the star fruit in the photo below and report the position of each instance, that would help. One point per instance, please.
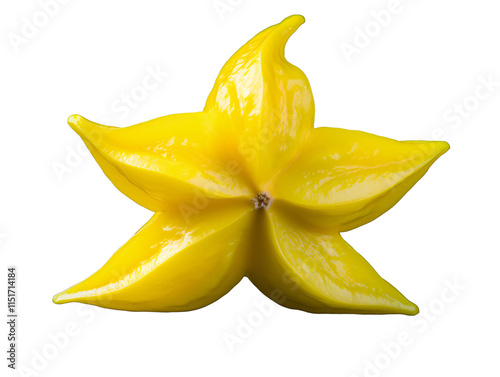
(248, 187)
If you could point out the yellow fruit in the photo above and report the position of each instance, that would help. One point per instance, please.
(248, 187)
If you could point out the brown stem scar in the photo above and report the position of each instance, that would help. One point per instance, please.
(262, 200)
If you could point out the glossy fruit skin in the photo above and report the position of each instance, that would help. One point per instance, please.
(204, 173)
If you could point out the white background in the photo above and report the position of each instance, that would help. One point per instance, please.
(59, 228)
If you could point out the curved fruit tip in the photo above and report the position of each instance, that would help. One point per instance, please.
(75, 121)
(438, 148)
(282, 32)
(399, 304)
(88, 130)
(289, 25)
(66, 296)
(402, 305)
(444, 146)
(83, 127)
(410, 309)
(57, 299)
(430, 150)
(294, 19)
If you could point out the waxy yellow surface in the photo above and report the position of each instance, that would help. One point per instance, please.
(248, 187)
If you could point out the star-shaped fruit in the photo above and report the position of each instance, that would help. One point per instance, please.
(248, 187)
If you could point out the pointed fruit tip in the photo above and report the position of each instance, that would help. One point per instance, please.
(440, 148)
(283, 31)
(430, 149)
(412, 309)
(64, 297)
(57, 298)
(76, 123)
(74, 119)
(444, 146)
(89, 131)
(295, 19)
(290, 24)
